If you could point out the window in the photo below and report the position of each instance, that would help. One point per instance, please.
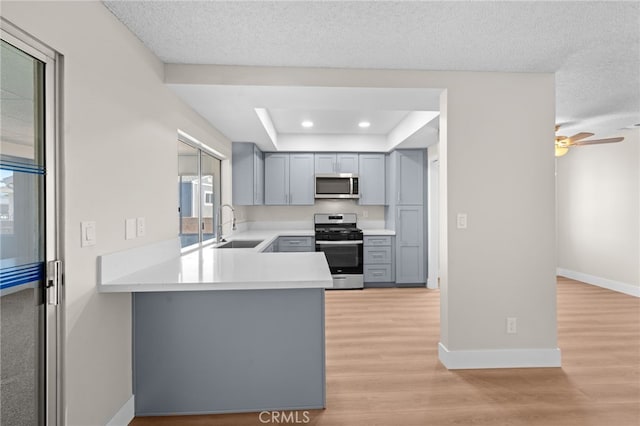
(198, 194)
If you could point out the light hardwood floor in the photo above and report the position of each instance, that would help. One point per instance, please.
(383, 368)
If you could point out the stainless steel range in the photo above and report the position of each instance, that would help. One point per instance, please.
(338, 236)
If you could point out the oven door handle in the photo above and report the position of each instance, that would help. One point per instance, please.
(339, 243)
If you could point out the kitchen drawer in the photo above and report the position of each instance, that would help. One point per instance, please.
(377, 273)
(374, 255)
(377, 241)
(296, 244)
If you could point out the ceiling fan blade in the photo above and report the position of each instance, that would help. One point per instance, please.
(581, 135)
(598, 141)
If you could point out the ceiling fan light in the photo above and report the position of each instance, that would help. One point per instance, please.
(561, 150)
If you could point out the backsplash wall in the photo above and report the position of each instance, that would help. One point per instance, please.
(305, 213)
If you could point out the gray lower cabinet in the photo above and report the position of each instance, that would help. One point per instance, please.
(410, 257)
(288, 179)
(228, 351)
(372, 179)
(248, 174)
(295, 244)
(378, 262)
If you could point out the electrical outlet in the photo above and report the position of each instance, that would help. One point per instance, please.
(512, 325)
(141, 227)
(365, 213)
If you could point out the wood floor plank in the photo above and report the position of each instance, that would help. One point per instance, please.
(383, 369)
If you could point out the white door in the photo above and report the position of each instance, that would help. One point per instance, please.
(30, 276)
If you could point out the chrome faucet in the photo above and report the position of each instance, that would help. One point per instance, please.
(233, 221)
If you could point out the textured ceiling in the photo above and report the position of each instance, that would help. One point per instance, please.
(593, 47)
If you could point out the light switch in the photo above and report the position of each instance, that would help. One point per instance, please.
(87, 234)
(462, 221)
(141, 227)
(130, 229)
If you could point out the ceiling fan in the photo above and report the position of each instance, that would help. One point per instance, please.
(563, 143)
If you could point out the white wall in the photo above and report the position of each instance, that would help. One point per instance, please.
(120, 160)
(599, 213)
(503, 265)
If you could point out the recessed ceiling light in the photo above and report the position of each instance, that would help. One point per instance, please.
(364, 124)
(306, 124)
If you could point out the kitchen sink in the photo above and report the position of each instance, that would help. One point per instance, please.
(240, 244)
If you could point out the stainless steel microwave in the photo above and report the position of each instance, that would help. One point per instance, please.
(337, 185)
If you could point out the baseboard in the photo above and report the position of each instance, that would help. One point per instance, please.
(499, 358)
(618, 286)
(432, 284)
(125, 414)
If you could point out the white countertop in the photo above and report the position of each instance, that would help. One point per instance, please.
(259, 233)
(208, 268)
(163, 268)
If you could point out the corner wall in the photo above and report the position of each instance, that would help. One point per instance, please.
(598, 190)
(120, 161)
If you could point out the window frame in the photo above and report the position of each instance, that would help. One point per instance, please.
(201, 149)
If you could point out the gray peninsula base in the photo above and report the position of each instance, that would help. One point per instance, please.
(228, 351)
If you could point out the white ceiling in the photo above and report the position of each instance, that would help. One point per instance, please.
(335, 121)
(334, 111)
(593, 47)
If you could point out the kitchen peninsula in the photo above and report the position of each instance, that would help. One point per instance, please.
(223, 330)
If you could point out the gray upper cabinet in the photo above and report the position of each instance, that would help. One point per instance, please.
(405, 182)
(347, 163)
(372, 179)
(327, 162)
(258, 177)
(301, 179)
(288, 179)
(409, 176)
(276, 179)
(248, 174)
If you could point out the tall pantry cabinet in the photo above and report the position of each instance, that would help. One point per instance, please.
(405, 213)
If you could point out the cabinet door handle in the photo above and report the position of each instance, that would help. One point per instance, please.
(398, 196)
